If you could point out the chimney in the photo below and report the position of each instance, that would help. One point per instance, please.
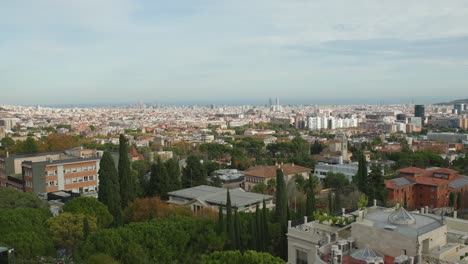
(292, 164)
(305, 219)
(454, 214)
(422, 210)
(289, 224)
(426, 209)
(375, 202)
(343, 211)
(7, 154)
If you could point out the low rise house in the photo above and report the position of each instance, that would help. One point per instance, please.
(204, 196)
(258, 174)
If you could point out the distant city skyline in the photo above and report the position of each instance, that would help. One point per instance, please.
(232, 52)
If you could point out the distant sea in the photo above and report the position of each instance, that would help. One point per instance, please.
(283, 101)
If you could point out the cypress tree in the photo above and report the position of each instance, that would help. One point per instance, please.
(173, 173)
(405, 201)
(266, 235)
(330, 203)
(452, 199)
(194, 174)
(220, 221)
(159, 180)
(361, 177)
(253, 234)
(154, 181)
(127, 183)
(310, 201)
(282, 211)
(229, 224)
(259, 228)
(237, 232)
(109, 190)
(281, 199)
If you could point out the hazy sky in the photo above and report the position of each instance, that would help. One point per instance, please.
(104, 51)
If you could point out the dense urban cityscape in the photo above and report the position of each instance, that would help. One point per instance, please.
(249, 184)
(233, 132)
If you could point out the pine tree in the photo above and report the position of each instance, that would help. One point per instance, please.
(127, 183)
(85, 227)
(266, 234)
(109, 190)
(220, 229)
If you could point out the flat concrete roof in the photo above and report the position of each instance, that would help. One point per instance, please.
(424, 223)
(215, 195)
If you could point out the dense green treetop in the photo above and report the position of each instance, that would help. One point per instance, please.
(11, 199)
(90, 206)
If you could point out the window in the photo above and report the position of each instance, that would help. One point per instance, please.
(73, 170)
(91, 178)
(67, 170)
(51, 183)
(80, 179)
(68, 181)
(74, 180)
(301, 257)
(85, 178)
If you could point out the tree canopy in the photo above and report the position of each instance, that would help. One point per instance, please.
(235, 257)
(25, 230)
(89, 206)
(11, 199)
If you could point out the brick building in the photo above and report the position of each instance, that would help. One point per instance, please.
(427, 187)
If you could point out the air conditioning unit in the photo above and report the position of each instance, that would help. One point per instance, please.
(403, 259)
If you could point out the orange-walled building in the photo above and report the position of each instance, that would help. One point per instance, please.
(79, 175)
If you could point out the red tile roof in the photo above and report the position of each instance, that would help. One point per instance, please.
(412, 170)
(445, 171)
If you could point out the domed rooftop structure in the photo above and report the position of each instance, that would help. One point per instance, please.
(367, 254)
(401, 217)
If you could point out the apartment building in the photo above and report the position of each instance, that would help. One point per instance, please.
(79, 175)
(10, 165)
(427, 187)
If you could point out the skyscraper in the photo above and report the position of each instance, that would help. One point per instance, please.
(458, 108)
(419, 112)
